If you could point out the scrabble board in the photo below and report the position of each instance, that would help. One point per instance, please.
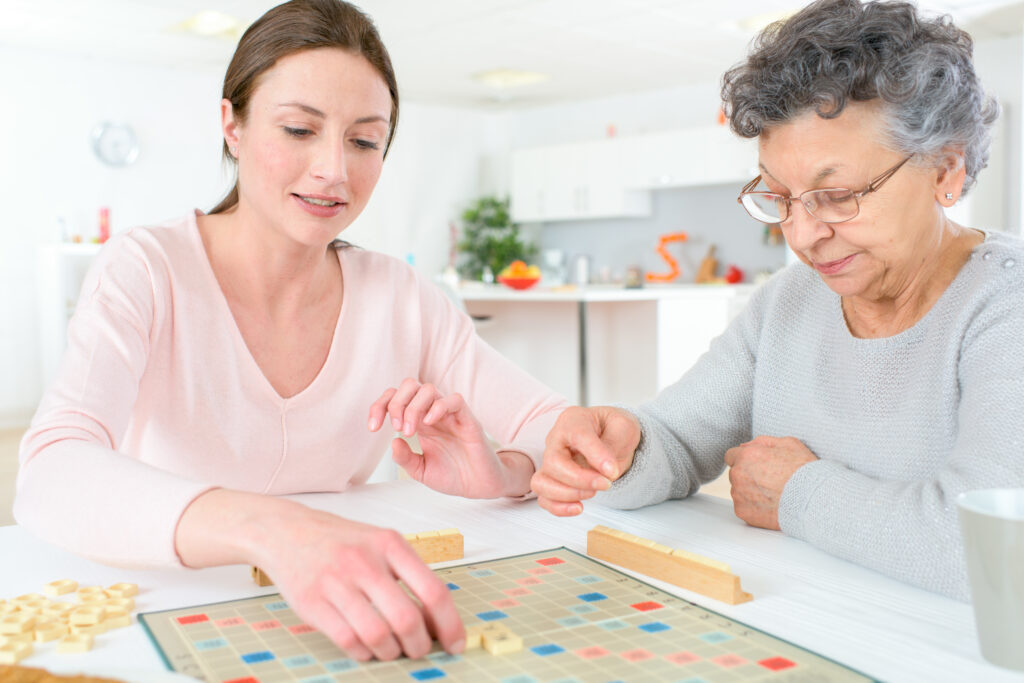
(579, 620)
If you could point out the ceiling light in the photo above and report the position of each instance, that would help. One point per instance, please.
(211, 23)
(509, 78)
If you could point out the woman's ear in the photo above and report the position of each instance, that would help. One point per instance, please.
(230, 126)
(949, 178)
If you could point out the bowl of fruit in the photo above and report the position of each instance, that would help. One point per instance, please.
(518, 275)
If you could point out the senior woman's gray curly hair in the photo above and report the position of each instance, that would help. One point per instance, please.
(836, 51)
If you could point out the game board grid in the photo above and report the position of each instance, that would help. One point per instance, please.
(582, 637)
(226, 663)
(534, 619)
(620, 591)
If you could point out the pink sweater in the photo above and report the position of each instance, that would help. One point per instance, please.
(159, 400)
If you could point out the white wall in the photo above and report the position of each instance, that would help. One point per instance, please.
(646, 112)
(438, 163)
(995, 202)
(47, 169)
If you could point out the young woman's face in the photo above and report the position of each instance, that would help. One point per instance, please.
(311, 148)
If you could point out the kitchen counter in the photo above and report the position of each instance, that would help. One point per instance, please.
(604, 343)
(601, 293)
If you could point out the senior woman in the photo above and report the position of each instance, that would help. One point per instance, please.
(866, 386)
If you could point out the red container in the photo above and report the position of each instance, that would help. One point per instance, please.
(104, 227)
(518, 282)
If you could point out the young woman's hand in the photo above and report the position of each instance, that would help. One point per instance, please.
(339, 576)
(586, 450)
(457, 458)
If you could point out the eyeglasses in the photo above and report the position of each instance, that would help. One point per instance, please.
(828, 204)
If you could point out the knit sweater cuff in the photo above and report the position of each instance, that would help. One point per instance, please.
(631, 490)
(799, 493)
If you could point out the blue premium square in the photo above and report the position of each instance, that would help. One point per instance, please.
(654, 627)
(592, 597)
(493, 615)
(254, 657)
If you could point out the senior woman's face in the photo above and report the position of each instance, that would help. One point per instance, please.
(876, 254)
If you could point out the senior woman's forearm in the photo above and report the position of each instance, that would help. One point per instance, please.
(905, 530)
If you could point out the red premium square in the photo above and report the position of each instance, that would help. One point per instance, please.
(728, 661)
(192, 619)
(647, 606)
(265, 625)
(682, 658)
(777, 663)
(638, 655)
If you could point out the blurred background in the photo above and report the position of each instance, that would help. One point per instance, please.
(598, 120)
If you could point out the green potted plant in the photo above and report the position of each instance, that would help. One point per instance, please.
(490, 238)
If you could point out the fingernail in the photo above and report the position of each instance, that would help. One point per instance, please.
(458, 647)
(602, 484)
(609, 470)
(373, 424)
(396, 424)
(407, 429)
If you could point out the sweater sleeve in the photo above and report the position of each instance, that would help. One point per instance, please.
(909, 529)
(74, 489)
(515, 409)
(686, 429)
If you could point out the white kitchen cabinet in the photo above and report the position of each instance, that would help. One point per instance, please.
(573, 182)
(706, 155)
(613, 177)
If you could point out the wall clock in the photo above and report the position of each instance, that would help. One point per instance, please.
(115, 144)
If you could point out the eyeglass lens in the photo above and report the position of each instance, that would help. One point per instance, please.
(829, 205)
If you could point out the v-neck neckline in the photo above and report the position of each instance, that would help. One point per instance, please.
(236, 331)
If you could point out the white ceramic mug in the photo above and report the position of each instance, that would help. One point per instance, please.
(992, 522)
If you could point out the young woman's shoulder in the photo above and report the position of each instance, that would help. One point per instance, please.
(389, 281)
(170, 241)
(142, 264)
(364, 268)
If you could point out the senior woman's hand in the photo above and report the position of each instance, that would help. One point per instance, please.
(759, 470)
(586, 450)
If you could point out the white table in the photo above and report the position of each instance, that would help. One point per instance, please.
(850, 614)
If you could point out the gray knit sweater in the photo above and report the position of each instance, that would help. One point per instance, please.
(901, 425)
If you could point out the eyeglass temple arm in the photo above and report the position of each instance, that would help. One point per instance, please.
(881, 179)
(748, 187)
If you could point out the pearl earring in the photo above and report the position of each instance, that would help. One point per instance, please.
(949, 195)
(234, 152)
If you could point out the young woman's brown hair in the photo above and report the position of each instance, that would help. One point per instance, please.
(292, 27)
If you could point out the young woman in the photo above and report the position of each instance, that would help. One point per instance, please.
(222, 360)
